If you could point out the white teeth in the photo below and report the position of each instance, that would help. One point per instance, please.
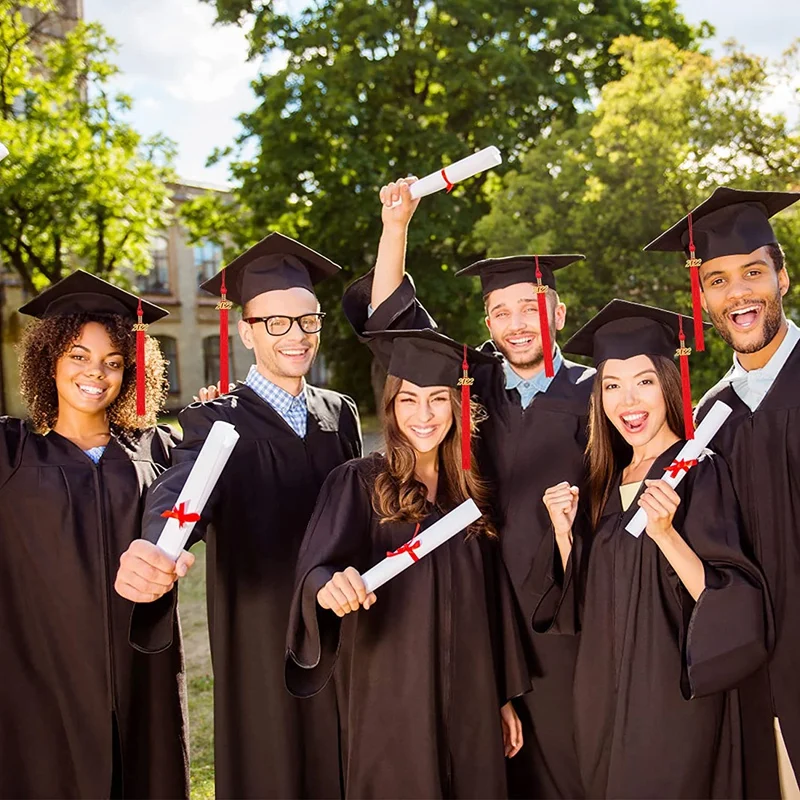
(631, 418)
(423, 431)
(293, 352)
(91, 389)
(527, 340)
(743, 310)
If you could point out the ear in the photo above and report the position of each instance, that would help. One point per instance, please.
(488, 323)
(783, 281)
(560, 315)
(245, 334)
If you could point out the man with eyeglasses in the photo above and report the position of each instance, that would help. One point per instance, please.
(267, 744)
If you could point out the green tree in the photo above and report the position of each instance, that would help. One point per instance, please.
(677, 124)
(372, 90)
(80, 186)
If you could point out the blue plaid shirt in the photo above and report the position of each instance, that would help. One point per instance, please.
(292, 409)
(528, 389)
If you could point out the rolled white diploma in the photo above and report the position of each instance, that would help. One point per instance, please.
(3, 151)
(446, 178)
(211, 460)
(411, 552)
(686, 459)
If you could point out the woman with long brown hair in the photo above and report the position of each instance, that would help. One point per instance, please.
(83, 714)
(425, 671)
(672, 620)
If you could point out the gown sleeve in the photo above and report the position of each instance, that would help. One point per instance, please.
(337, 537)
(400, 311)
(152, 624)
(512, 662)
(12, 436)
(728, 633)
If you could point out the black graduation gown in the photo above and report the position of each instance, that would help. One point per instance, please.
(656, 711)
(266, 743)
(69, 676)
(421, 676)
(763, 450)
(522, 452)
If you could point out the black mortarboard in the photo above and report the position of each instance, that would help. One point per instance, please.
(623, 330)
(276, 262)
(730, 222)
(81, 292)
(84, 292)
(497, 273)
(428, 358)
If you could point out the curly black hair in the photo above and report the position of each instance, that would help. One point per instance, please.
(46, 340)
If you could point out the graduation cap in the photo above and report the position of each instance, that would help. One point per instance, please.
(498, 273)
(730, 222)
(428, 358)
(276, 262)
(623, 330)
(82, 292)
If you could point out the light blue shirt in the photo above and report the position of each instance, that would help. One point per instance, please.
(752, 386)
(96, 453)
(530, 387)
(293, 410)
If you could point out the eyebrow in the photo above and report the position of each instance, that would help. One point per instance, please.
(521, 300)
(414, 394)
(86, 349)
(637, 375)
(717, 272)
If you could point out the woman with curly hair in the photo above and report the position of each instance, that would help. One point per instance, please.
(82, 714)
(424, 671)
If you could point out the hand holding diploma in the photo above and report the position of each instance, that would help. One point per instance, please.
(447, 177)
(687, 458)
(147, 573)
(345, 592)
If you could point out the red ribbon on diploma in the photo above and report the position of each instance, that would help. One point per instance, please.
(179, 513)
(680, 465)
(409, 547)
(448, 186)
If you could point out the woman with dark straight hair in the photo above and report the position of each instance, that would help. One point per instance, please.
(670, 621)
(83, 714)
(424, 668)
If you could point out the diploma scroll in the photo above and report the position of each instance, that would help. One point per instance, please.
(687, 458)
(449, 176)
(448, 526)
(205, 473)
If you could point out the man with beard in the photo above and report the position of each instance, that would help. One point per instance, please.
(534, 436)
(743, 277)
(267, 743)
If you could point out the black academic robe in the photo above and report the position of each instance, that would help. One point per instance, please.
(656, 710)
(421, 676)
(522, 452)
(266, 743)
(77, 702)
(763, 450)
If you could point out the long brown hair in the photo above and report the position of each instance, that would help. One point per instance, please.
(607, 452)
(399, 497)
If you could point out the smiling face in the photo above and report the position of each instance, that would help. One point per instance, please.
(742, 294)
(633, 399)
(287, 356)
(89, 374)
(424, 414)
(512, 316)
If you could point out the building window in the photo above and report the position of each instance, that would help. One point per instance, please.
(211, 359)
(169, 347)
(207, 260)
(156, 280)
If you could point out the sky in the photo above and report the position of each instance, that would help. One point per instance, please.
(190, 78)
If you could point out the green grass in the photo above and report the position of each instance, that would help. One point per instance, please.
(192, 604)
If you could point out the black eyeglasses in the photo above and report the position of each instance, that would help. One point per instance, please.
(278, 325)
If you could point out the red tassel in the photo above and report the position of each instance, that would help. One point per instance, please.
(140, 329)
(686, 386)
(223, 307)
(693, 264)
(544, 326)
(466, 416)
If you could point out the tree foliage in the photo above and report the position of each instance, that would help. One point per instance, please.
(662, 137)
(80, 186)
(375, 89)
